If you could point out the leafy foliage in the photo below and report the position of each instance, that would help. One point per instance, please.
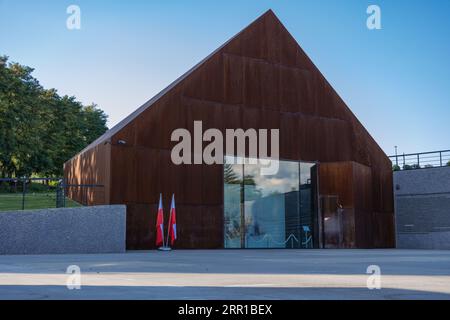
(230, 177)
(40, 130)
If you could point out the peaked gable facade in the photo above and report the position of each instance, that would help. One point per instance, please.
(259, 79)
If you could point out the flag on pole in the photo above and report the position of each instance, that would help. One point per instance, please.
(160, 224)
(172, 222)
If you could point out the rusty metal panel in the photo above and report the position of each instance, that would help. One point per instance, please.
(261, 84)
(384, 230)
(123, 173)
(141, 230)
(295, 93)
(354, 187)
(289, 136)
(362, 188)
(204, 83)
(253, 118)
(260, 79)
(338, 224)
(173, 180)
(336, 179)
(89, 168)
(202, 226)
(233, 75)
(212, 185)
(350, 220)
(148, 175)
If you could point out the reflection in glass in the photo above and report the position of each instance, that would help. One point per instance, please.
(306, 205)
(268, 204)
(232, 203)
(273, 211)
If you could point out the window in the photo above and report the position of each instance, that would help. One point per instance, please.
(275, 211)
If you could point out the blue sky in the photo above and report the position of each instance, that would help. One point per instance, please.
(396, 80)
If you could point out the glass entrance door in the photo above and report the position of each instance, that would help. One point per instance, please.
(232, 199)
(268, 211)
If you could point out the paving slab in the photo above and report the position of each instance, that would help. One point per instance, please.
(229, 274)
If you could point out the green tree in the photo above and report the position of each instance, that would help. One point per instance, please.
(94, 124)
(230, 176)
(39, 130)
(20, 147)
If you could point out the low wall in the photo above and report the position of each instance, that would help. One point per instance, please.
(427, 240)
(422, 207)
(99, 229)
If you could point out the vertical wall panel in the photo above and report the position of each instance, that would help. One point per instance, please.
(123, 174)
(260, 79)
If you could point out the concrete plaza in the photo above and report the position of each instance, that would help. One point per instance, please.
(230, 274)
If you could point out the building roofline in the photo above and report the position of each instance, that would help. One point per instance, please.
(123, 123)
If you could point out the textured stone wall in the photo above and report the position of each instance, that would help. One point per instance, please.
(99, 229)
(422, 205)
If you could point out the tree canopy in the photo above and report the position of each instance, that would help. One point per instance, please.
(40, 130)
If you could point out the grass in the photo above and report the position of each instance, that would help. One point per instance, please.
(13, 201)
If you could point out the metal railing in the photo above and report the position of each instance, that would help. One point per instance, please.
(27, 193)
(420, 160)
(43, 193)
(85, 194)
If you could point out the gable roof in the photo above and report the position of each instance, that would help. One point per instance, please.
(273, 21)
(111, 132)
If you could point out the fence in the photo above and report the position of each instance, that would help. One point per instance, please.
(41, 193)
(85, 194)
(421, 160)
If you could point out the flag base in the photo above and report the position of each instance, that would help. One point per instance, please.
(165, 249)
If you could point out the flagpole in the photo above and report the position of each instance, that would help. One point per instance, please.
(162, 207)
(163, 247)
(168, 224)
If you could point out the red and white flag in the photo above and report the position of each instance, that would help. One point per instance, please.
(160, 224)
(173, 222)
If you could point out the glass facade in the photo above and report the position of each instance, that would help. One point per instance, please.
(268, 211)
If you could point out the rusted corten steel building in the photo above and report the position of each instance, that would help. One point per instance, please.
(334, 186)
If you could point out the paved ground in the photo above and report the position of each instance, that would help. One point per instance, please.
(230, 274)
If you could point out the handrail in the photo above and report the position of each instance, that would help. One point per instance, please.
(407, 161)
(414, 154)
